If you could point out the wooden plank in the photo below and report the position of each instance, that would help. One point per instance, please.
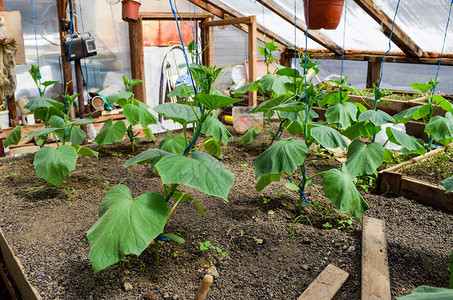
(207, 37)
(301, 25)
(373, 73)
(16, 271)
(137, 58)
(224, 11)
(447, 61)
(389, 181)
(232, 21)
(399, 37)
(169, 16)
(326, 285)
(375, 269)
(426, 193)
(252, 59)
(6, 281)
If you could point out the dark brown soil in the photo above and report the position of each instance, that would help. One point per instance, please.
(434, 169)
(48, 234)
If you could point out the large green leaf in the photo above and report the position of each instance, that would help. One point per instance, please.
(250, 135)
(448, 185)
(444, 103)
(138, 115)
(377, 117)
(42, 131)
(213, 127)
(421, 87)
(213, 147)
(215, 101)
(13, 137)
(275, 83)
(180, 113)
(125, 225)
(269, 104)
(84, 121)
(283, 156)
(84, 151)
(425, 292)
(174, 145)
(363, 159)
(403, 139)
(37, 103)
(327, 137)
(290, 107)
(111, 133)
(249, 87)
(266, 180)
(182, 91)
(115, 97)
(53, 165)
(340, 189)
(359, 129)
(415, 113)
(146, 157)
(76, 135)
(341, 113)
(441, 128)
(201, 172)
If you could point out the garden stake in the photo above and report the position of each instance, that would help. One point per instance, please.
(203, 289)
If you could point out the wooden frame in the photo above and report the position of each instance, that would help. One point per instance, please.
(252, 47)
(136, 45)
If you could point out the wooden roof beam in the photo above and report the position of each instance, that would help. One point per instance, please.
(399, 37)
(301, 25)
(224, 11)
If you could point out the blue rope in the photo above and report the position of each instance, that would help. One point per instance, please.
(305, 72)
(438, 68)
(69, 58)
(383, 57)
(183, 49)
(36, 44)
(116, 37)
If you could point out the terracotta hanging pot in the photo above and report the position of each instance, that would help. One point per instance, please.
(323, 13)
(130, 9)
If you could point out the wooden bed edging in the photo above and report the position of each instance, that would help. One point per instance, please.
(375, 268)
(16, 270)
(423, 192)
(326, 285)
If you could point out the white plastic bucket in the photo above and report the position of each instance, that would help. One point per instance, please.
(28, 119)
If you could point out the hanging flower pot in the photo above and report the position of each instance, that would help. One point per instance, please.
(323, 13)
(130, 9)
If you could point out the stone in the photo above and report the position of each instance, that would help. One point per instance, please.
(127, 286)
(150, 296)
(212, 270)
(305, 267)
(351, 249)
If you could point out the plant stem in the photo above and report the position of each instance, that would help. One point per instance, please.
(317, 174)
(156, 251)
(171, 211)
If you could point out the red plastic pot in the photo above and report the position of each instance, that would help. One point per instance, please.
(130, 10)
(323, 13)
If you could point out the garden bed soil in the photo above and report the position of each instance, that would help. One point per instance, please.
(48, 234)
(433, 169)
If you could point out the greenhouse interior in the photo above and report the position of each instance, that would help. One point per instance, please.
(226, 149)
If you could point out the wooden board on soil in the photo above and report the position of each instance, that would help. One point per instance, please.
(48, 234)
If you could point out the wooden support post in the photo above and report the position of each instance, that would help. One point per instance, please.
(137, 58)
(326, 285)
(373, 73)
(252, 58)
(375, 268)
(2, 148)
(207, 37)
(66, 67)
(11, 100)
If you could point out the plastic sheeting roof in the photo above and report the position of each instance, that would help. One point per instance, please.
(423, 21)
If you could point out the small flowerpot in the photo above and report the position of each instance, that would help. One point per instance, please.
(323, 13)
(130, 10)
(243, 120)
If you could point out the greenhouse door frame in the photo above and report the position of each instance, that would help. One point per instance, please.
(136, 44)
(252, 46)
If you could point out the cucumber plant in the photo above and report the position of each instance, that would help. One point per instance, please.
(50, 163)
(136, 112)
(128, 225)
